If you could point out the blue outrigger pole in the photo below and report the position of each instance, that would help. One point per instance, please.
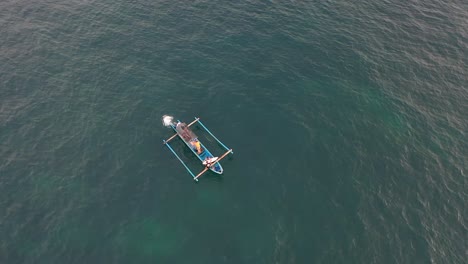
(209, 132)
(183, 163)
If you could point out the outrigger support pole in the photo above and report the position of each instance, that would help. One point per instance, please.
(209, 132)
(173, 136)
(200, 174)
(177, 156)
(212, 164)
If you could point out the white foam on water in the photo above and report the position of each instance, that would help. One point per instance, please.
(167, 120)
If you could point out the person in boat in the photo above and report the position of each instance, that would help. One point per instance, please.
(208, 162)
(196, 145)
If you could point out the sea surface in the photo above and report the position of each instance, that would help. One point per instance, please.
(348, 121)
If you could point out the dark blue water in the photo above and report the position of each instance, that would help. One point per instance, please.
(348, 122)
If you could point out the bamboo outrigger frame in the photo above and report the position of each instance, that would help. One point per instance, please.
(210, 162)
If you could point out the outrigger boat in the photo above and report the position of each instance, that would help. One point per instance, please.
(191, 140)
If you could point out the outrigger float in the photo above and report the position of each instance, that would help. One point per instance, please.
(191, 140)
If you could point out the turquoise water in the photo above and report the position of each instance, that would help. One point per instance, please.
(348, 123)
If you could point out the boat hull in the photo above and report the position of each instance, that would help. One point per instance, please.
(204, 154)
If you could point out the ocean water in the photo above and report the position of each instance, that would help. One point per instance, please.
(348, 121)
